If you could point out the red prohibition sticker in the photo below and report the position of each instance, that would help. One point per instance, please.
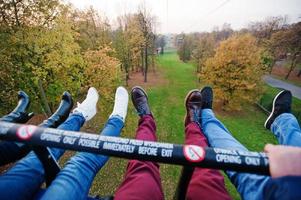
(194, 153)
(26, 131)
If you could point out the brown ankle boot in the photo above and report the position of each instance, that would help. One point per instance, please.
(193, 103)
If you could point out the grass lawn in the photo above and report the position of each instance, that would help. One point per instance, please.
(167, 104)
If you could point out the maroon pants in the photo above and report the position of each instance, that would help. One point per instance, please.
(205, 184)
(142, 179)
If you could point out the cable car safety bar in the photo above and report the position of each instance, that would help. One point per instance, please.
(185, 155)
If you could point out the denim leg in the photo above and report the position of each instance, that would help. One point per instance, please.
(24, 179)
(287, 130)
(250, 186)
(74, 181)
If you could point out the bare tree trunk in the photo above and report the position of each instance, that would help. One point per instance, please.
(299, 74)
(293, 64)
(272, 66)
(142, 62)
(44, 99)
(153, 63)
(126, 74)
(198, 68)
(16, 13)
(146, 64)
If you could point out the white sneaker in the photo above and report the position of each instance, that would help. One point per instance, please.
(121, 103)
(88, 107)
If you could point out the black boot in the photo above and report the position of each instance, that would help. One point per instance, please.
(281, 104)
(140, 101)
(61, 114)
(207, 97)
(193, 103)
(19, 114)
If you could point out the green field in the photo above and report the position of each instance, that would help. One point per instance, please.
(167, 104)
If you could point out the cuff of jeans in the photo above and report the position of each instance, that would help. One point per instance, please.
(282, 117)
(80, 116)
(117, 117)
(207, 113)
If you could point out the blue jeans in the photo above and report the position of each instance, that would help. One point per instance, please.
(23, 181)
(75, 179)
(250, 186)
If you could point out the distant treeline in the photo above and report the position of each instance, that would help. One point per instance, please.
(233, 62)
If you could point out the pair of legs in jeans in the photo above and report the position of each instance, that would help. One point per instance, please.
(282, 124)
(24, 179)
(142, 179)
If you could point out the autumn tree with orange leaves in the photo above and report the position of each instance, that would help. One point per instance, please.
(235, 72)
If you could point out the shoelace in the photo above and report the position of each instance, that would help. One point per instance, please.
(140, 110)
(197, 118)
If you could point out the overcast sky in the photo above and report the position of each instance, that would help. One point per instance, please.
(177, 16)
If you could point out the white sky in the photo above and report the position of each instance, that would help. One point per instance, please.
(175, 16)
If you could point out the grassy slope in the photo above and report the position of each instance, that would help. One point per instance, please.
(246, 126)
(168, 108)
(167, 105)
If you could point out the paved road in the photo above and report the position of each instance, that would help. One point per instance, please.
(296, 91)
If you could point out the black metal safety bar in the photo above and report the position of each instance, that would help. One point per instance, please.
(185, 155)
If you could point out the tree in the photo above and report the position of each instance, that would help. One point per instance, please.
(235, 71)
(185, 47)
(19, 13)
(134, 41)
(289, 41)
(128, 41)
(39, 51)
(203, 51)
(93, 29)
(146, 24)
(161, 42)
(102, 70)
(263, 32)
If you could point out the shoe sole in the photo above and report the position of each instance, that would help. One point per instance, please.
(186, 98)
(274, 100)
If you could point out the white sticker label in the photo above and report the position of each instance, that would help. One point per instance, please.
(194, 153)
